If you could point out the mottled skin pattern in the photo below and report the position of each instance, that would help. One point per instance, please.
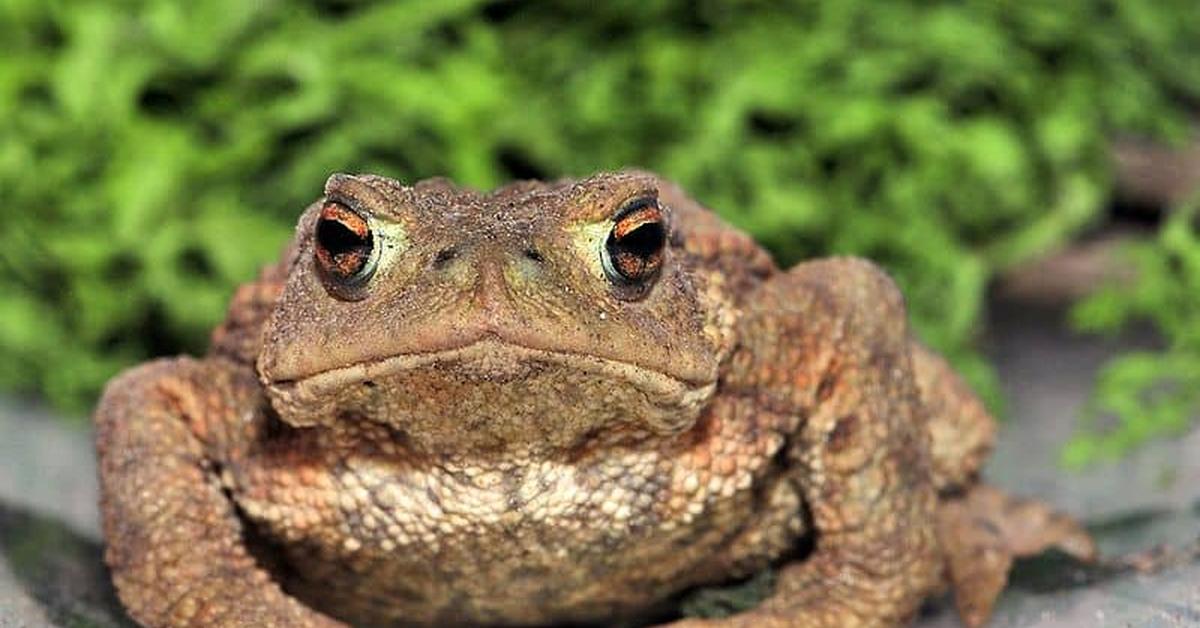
(453, 407)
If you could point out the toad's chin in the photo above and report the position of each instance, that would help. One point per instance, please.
(492, 394)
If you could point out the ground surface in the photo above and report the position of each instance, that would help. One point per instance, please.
(51, 572)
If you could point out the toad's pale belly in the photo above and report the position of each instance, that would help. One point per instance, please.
(379, 538)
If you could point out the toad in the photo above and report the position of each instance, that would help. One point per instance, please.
(552, 403)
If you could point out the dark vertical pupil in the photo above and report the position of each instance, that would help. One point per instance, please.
(644, 241)
(634, 247)
(338, 239)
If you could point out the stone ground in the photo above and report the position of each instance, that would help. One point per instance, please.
(51, 572)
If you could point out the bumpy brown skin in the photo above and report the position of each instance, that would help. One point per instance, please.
(491, 429)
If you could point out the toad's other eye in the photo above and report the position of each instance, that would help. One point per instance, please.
(345, 247)
(633, 251)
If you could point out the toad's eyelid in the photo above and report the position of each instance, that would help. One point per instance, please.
(641, 201)
(383, 223)
(351, 203)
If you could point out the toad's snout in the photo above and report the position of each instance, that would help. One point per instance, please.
(496, 275)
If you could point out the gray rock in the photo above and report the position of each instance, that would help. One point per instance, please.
(51, 572)
(1150, 498)
(51, 567)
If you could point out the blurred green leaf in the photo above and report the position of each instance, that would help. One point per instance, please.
(1145, 395)
(153, 153)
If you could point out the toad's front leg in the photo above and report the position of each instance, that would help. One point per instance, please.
(828, 343)
(175, 543)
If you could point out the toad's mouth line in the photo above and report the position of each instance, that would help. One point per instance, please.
(501, 355)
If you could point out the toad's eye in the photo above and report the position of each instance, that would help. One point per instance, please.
(345, 246)
(633, 251)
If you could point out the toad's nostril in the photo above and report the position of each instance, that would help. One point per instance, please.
(444, 256)
(534, 255)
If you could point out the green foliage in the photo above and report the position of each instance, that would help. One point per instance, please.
(1150, 393)
(152, 151)
(717, 602)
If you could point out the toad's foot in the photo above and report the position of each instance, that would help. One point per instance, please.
(981, 533)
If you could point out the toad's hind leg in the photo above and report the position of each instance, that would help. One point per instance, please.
(961, 431)
(983, 530)
(828, 344)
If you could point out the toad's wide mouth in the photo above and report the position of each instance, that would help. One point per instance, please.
(496, 360)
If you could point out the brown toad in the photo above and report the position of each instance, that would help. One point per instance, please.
(552, 403)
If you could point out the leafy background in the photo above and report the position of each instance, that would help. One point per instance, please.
(153, 153)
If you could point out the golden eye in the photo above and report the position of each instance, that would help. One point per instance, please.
(633, 251)
(345, 245)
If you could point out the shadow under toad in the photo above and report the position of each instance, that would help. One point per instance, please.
(1054, 571)
(64, 573)
(60, 569)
